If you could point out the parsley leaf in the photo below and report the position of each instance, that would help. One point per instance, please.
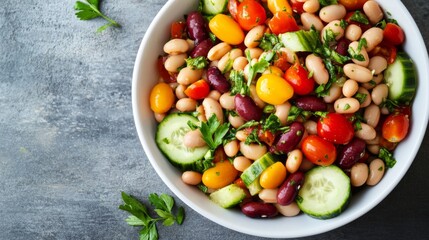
(387, 157)
(358, 16)
(213, 132)
(91, 10)
(361, 97)
(197, 63)
(258, 67)
(140, 216)
(324, 3)
(270, 42)
(238, 83)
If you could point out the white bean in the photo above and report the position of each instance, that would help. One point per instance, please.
(309, 19)
(173, 62)
(311, 6)
(218, 51)
(201, 114)
(186, 104)
(241, 163)
(268, 195)
(373, 11)
(290, 210)
(350, 87)
(315, 64)
(226, 100)
(282, 112)
(359, 174)
(180, 91)
(254, 52)
(333, 94)
(193, 139)
(291, 56)
(335, 27)
(377, 64)
(357, 72)
(252, 151)
(241, 135)
(353, 32)
(188, 75)
(159, 116)
(240, 63)
(254, 36)
(366, 132)
(354, 46)
(176, 46)
(191, 177)
(364, 92)
(231, 148)
(379, 93)
(371, 115)
(214, 94)
(211, 107)
(376, 172)
(332, 12)
(235, 120)
(255, 97)
(373, 37)
(346, 105)
(293, 161)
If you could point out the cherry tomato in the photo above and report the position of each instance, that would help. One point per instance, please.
(226, 29)
(395, 127)
(221, 175)
(297, 76)
(266, 136)
(198, 90)
(297, 6)
(279, 6)
(219, 155)
(165, 75)
(393, 34)
(178, 30)
(386, 50)
(233, 8)
(353, 4)
(335, 128)
(273, 89)
(161, 98)
(273, 176)
(282, 22)
(319, 151)
(281, 61)
(274, 70)
(250, 14)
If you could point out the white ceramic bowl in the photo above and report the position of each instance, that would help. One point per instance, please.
(145, 76)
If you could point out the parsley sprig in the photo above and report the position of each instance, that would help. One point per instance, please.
(213, 132)
(387, 157)
(91, 10)
(140, 215)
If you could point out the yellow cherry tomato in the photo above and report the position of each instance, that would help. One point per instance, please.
(273, 176)
(161, 98)
(226, 29)
(274, 70)
(279, 5)
(221, 175)
(273, 89)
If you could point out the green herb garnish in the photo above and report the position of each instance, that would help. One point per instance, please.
(91, 10)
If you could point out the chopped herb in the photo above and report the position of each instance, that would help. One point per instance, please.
(203, 188)
(253, 137)
(361, 97)
(390, 104)
(212, 37)
(269, 108)
(197, 63)
(380, 168)
(343, 24)
(381, 24)
(358, 16)
(357, 125)
(249, 124)
(258, 67)
(294, 113)
(270, 42)
(213, 132)
(357, 54)
(324, 3)
(387, 157)
(238, 83)
(346, 107)
(272, 123)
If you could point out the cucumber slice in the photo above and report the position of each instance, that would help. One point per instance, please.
(401, 77)
(213, 7)
(325, 192)
(169, 138)
(253, 171)
(228, 196)
(255, 187)
(300, 41)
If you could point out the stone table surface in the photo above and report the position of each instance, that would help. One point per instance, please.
(68, 145)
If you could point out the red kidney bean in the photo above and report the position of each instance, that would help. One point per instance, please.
(287, 141)
(311, 103)
(289, 188)
(217, 80)
(350, 154)
(259, 210)
(196, 25)
(342, 46)
(246, 108)
(202, 49)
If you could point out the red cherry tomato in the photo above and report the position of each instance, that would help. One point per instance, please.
(297, 76)
(282, 22)
(393, 34)
(335, 128)
(250, 13)
(281, 61)
(318, 150)
(297, 6)
(266, 137)
(395, 127)
(386, 50)
(198, 90)
(178, 30)
(233, 8)
(353, 4)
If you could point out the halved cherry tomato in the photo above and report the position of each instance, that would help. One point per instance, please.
(266, 136)
(282, 22)
(177, 30)
(297, 6)
(318, 150)
(279, 6)
(297, 76)
(273, 176)
(353, 4)
(281, 61)
(273, 89)
(335, 128)
(161, 98)
(395, 127)
(250, 14)
(233, 8)
(386, 50)
(221, 175)
(393, 34)
(198, 90)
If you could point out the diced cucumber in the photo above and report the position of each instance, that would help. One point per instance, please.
(213, 7)
(253, 171)
(255, 187)
(300, 41)
(401, 77)
(325, 192)
(228, 196)
(169, 138)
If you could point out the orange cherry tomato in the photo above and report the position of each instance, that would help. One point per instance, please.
(273, 89)
(198, 90)
(282, 22)
(353, 4)
(318, 150)
(273, 176)
(226, 29)
(395, 127)
(221, 175)
(161, 98)
(297, 76)
(250, 14)
(279, 6)
(393, 34)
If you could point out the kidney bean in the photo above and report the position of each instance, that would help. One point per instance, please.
(351, 153)
(289, 189)
(202, 49)
(246, 108)
(287, 141)
(259, 210)
(217, 80)
(196, 27)
(342, 46)
(310, 103)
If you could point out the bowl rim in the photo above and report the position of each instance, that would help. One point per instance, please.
(215, 218)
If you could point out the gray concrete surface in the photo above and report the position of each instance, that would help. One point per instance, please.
(68, 144)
